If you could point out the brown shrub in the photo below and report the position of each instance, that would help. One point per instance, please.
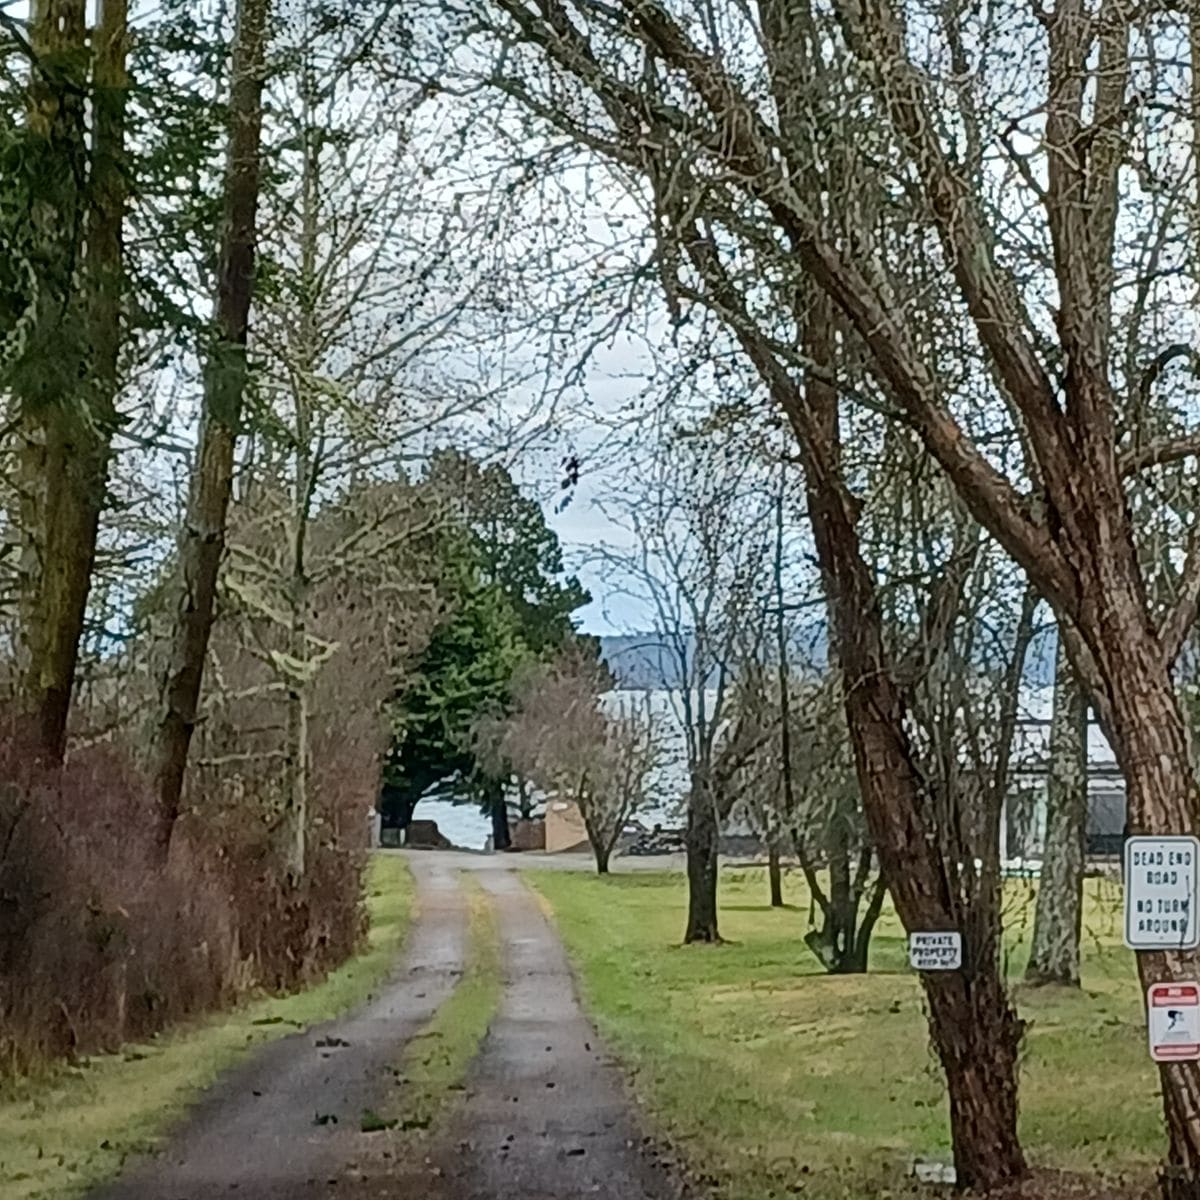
(99, 946)
(97, 943)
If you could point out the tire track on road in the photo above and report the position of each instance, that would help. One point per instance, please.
(286, 1124)
(546, 1115)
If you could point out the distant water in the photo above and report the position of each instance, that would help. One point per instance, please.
(642, 661)
(466, 826)
(463, 824)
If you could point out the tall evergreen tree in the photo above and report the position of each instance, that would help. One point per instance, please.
(506, 604)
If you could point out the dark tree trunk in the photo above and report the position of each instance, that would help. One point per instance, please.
(842, 942)
(775, 875)
(64, 458)
(1054, 957)
(973, 1027)
(202, 539)
(1149, 738)
(70, 462)
(701, 842)
(978, 1036)
(600, 839)
(834, 941)
(501, 837)
(407, 808)
(858, 957)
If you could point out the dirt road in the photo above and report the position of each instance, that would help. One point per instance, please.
(288, 1121)
(539, 860)
(544, 1116)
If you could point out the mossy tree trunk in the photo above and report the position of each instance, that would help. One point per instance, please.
(1054, 957)
(67, 384)
(202, 539)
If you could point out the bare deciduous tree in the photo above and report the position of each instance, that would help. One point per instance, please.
(569, 740)
(806, 800)
(865, 154)
(631, 754)
(698, 569)
(370, 605)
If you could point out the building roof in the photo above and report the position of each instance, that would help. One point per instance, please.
(1032, 741)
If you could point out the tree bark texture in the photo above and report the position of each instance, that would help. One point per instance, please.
(1149, 738)
(978, 1037)
(66, 432)
(202, 539)
(974, 1028)
(1054, 956)
(63, 484)
(701, 841)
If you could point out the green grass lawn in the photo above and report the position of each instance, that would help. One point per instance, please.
(63, 1134)
(771, 1075)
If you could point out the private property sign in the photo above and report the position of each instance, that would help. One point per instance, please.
(1161, 893)
(935, 951)
(1173, 1019)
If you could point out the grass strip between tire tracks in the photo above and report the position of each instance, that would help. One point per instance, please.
(436, 1061)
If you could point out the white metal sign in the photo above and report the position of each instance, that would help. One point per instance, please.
(1161, 893)
(1173, 1020)
(935, 951)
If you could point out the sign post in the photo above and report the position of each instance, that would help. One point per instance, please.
(1173, 1019)
(935, 951)
(1161, 875)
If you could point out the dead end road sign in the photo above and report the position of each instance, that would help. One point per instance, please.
(1173, 1021)
(935, 951)
(1161, 876)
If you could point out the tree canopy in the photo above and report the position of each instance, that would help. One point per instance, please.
(506, 604)
(513, 548)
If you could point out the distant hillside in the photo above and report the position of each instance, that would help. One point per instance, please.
(641, 661)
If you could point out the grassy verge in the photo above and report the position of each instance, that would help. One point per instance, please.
(435, 1062)
(772, 1075)
(61, 1135)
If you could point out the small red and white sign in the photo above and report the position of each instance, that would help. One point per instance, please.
(1173, 1018)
